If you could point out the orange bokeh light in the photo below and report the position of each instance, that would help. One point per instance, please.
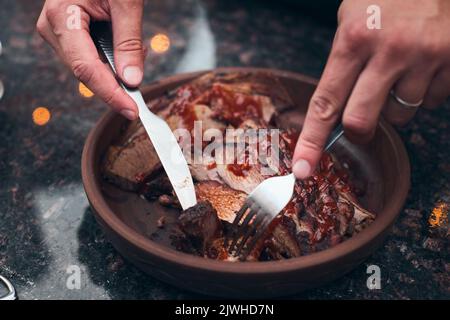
(41, 116)
(85, 91)
(439, 215)
(160, 43)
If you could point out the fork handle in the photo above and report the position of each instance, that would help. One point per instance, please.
(334, 136)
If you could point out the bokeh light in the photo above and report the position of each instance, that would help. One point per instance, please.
(85, 91)
(160, 43)
(41, 116)
(439, 215)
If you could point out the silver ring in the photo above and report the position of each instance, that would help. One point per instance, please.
(11, 295)
(406, 103)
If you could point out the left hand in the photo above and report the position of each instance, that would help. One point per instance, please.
(77, 50)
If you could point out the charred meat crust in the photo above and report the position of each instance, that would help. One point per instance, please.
(201, 225)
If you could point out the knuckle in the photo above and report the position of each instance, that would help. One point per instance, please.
(358, 125)
(112, 96)
(130, 45)
(40, 26)
(82, 70)
(324, 107)
(432, 49)
(53, 9)
(398, 45)
(355, 35)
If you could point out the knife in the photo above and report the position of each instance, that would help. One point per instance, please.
(164, 141)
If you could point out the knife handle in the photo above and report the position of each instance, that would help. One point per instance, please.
(101, 33)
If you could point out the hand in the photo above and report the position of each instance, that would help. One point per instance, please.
(409, 54)
(76, 48)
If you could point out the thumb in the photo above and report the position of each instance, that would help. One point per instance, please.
(126, 18)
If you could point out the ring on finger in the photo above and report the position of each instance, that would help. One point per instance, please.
(404, 103)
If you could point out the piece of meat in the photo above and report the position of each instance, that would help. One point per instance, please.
(263, 83)
(160, 185)
(216, 250)
(283, 243)
(233, 106)
(226, 201)
(243, 165)
(201, 225)
(129, 164)
(185, 117)
(240, 177)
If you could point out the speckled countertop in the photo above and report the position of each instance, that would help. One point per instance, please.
(45, 221)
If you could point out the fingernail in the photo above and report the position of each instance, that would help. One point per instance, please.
(132, 75)
(302, 169)
(129, 114)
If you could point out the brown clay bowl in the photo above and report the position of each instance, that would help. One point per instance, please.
(130, 222)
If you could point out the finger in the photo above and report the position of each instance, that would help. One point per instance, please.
(369, 95)
(438, 91)
(126, 19)
(412, 88)
(339, 76)
(44, 29)
(81, 55)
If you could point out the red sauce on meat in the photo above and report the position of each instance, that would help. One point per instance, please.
(291, 137)
(239, 170)
(184, 108)
(212, 165)
(140, 177)
(189, 117)
(290, 208)
(326, 221)
(236, 106)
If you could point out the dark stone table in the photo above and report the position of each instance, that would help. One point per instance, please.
(45, 221)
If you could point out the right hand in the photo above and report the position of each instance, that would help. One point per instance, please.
(409, 54)
(77, 50)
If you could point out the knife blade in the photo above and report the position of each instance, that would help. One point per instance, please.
(161, 136)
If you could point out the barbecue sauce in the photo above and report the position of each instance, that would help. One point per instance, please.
(291, 137)
(212, 165)
(140, 177)
(235, 107)
(239, 170)
(184, 108)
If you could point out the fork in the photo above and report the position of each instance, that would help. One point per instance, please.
(262, 205)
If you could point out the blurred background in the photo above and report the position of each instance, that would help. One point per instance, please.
(45, 115)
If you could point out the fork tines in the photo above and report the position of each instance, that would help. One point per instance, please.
(248, 226)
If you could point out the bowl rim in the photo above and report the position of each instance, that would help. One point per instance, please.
(170, 255)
